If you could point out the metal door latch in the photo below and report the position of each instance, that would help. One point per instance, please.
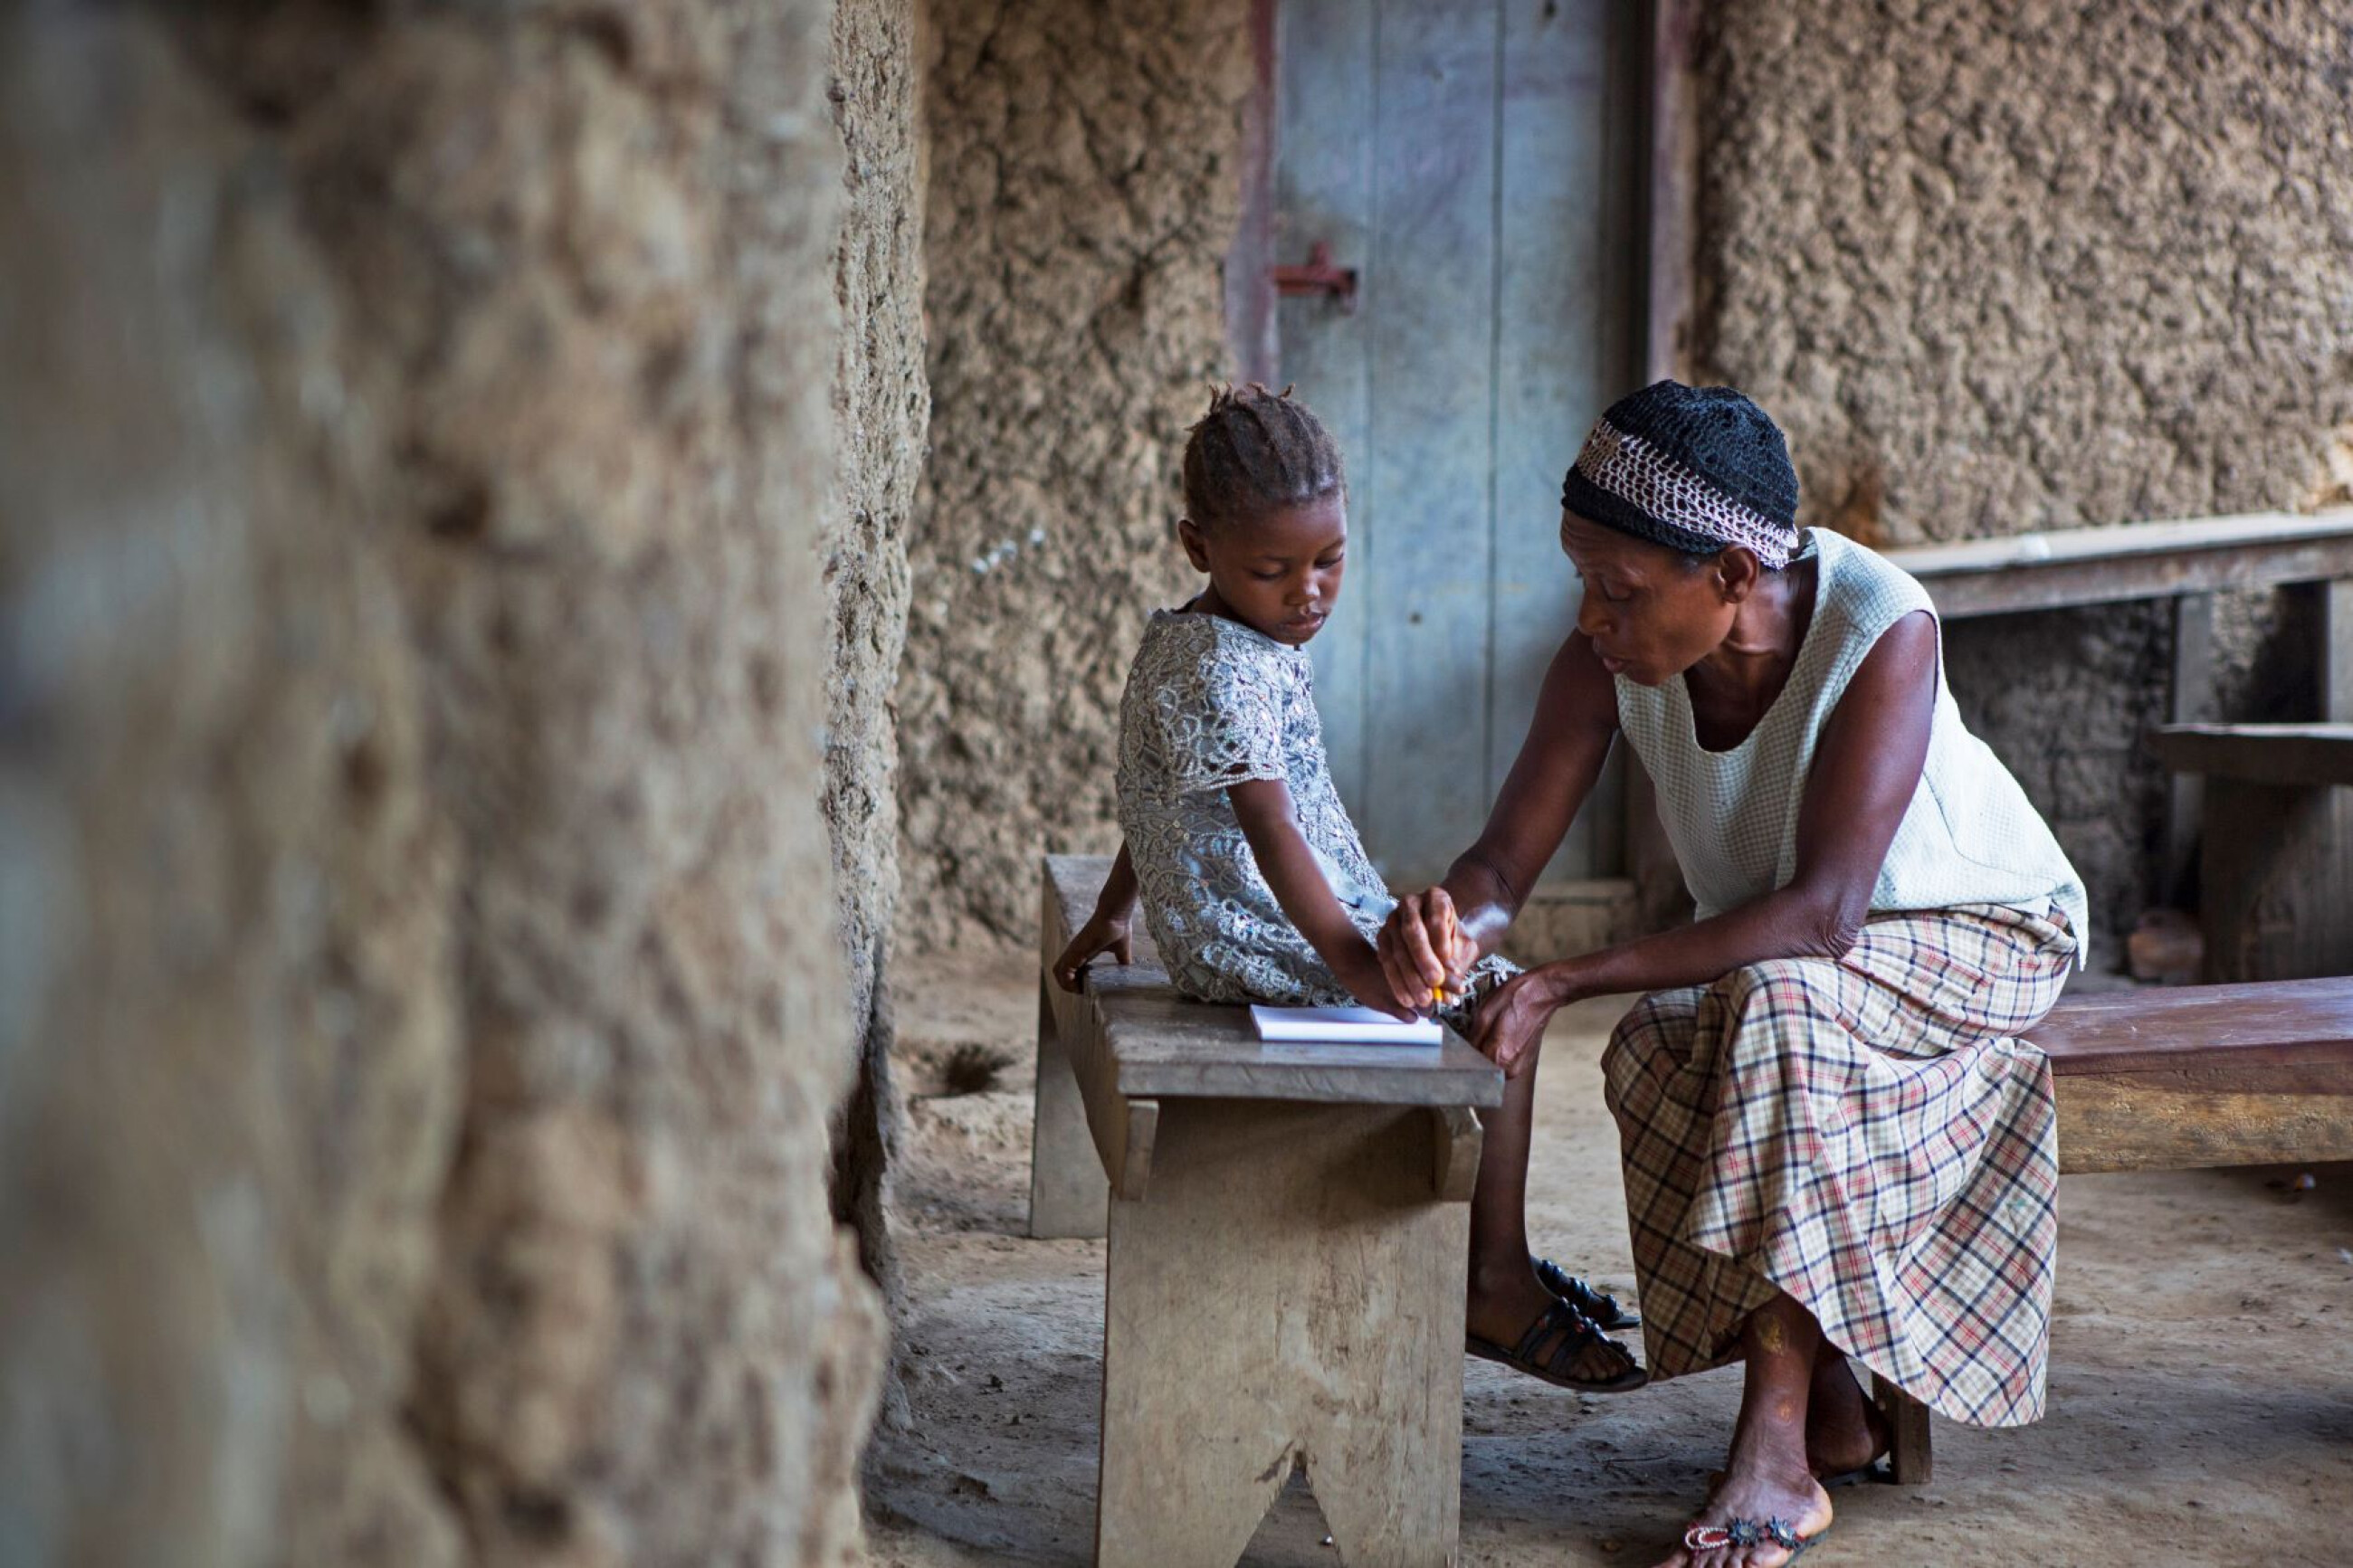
(1319, 277)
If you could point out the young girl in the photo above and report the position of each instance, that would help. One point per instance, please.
(1255, 886)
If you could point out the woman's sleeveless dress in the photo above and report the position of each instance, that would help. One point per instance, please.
(1869, 1135)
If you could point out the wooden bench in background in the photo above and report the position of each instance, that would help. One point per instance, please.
(1288, 1230)
(2188, 563)
(2177, 1080)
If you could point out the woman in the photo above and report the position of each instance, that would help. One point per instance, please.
(1834, 1146)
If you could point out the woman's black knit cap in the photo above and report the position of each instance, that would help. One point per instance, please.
(1724, 440)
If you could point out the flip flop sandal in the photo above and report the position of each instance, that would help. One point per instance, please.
(1748, 1532)
(1573, 1331)
(1598, 1305)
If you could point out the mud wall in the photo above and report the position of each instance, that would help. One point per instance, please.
(881, 407)
(2000, 268)
(1083, 191)
(415, 1047)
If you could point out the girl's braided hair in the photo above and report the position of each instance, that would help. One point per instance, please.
(1256, 450)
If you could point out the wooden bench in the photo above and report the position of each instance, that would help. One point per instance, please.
(1288, 1230)
(2182, 1078)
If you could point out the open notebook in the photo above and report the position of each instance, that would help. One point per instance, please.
(1350, 1026)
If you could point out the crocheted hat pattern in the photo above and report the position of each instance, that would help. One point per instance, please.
(1693, 467)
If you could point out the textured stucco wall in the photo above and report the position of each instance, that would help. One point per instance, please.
(230, 1057)
(881, 407)
(2043, 265)
(420, 1007)
(1083, 191)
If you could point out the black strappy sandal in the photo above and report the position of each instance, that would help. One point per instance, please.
(1598, 1305)
(1575, 1330)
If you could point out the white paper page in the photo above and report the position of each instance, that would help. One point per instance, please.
(1352, 1026)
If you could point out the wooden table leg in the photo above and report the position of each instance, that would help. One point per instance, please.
(1069, 1195)
(1908, 1426)
(1290, 1291)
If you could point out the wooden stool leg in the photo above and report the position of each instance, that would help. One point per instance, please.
(2190, 701)
(2278, 881)
(1907, 1424)
(1067, 1192)
(1289, 1290)
(2337, 652)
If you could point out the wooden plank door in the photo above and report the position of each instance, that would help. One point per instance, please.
(1476, 162)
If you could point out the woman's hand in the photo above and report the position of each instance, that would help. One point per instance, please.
(1423, 948)
(1101, 934)
(1511, 1021)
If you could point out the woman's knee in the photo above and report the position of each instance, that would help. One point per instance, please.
(1660, 1023)
(1759, 1005)
(1804, 986)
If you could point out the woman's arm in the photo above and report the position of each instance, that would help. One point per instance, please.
(1107, 930)
(1287, 862)
(1865, 772)
(1568, 742)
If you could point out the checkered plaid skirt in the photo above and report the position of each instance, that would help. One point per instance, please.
(1869, 1136)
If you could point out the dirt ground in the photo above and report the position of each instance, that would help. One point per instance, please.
(2202, 1377)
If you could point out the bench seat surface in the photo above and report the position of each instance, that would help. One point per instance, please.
(2280, 1022)
(1163, 1044)
(2202, 1075)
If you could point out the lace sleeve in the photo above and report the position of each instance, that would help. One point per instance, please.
(1220, 722)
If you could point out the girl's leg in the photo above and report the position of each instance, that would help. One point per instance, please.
(1499, 1205)
(1505, 1296)
(1767, 1476)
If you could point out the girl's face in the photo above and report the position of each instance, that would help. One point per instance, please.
(1277, 571)
(1652, 613)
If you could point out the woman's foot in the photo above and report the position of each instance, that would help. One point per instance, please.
(1844, 1430)
(1504, 1303)
(1759, 1490)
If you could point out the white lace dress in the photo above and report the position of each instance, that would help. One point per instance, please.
(1212, 704)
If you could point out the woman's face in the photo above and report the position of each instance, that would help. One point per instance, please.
(1651, 612)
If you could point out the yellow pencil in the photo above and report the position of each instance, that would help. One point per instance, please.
(1437, 993)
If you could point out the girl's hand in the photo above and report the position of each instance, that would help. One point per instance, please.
(1100, 934)
(1511, 1021)
(1369, 981)
(1423, 948)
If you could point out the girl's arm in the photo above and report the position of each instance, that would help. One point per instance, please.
(1107, 930)
(1569, 740)
(1284, 859)
(1865, 772)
